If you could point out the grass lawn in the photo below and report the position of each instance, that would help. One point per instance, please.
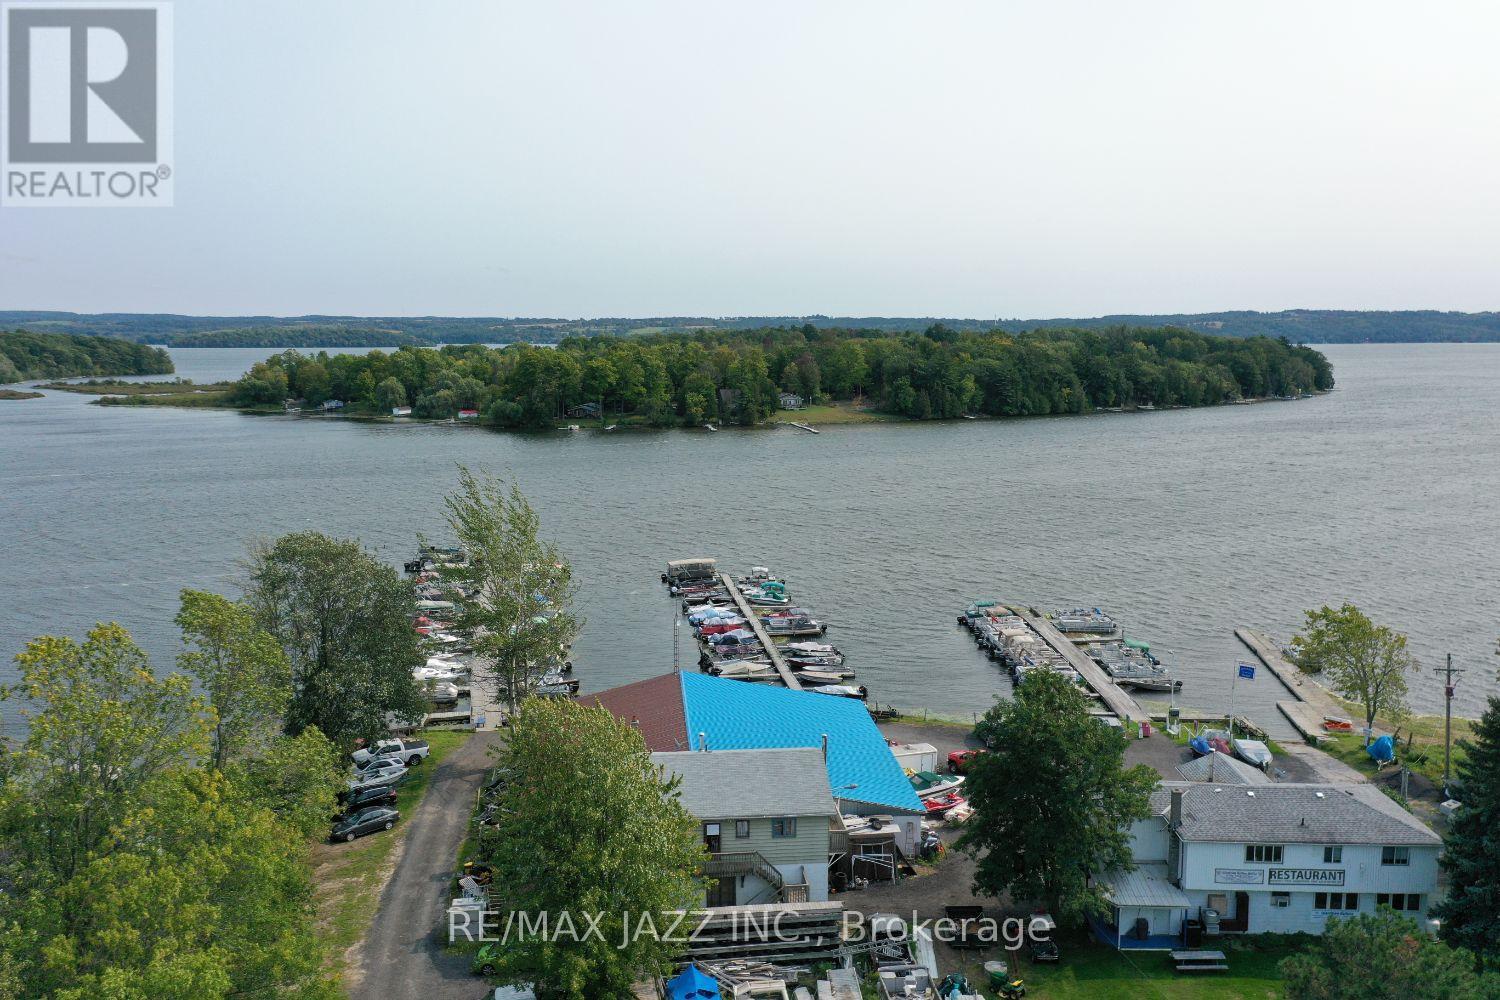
(204, 397)
(1092, 971)
(348, 878)
(834, 413)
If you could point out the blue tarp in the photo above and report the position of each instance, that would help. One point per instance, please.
(691, 984)
(1383, 749)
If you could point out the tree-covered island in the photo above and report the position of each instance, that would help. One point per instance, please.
(740, 377)
(25, 356)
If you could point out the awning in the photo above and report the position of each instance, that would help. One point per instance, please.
(1148, 885)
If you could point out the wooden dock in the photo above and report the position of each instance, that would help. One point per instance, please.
(1118, 701)
(1310, 704)
(747, 611)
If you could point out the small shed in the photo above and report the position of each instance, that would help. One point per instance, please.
(791, 401)
(1146, 909)
(693, 984)
(468, 414)
(584, 410)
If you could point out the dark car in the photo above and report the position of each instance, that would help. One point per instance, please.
(365, 821)
(353, 802)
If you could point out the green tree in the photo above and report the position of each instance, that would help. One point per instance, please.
(296, 777)
(239, 666)
(1471, 855)
(521, 614)
(625, 850)
(102, 725)
(1053, 801)
(389, 394)
(1364, 662)
(1380, 956)
(344, 620)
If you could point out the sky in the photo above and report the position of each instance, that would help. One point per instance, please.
(990, 159)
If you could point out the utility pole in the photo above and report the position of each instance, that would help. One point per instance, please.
(1448, 686)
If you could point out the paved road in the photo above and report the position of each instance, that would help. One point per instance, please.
(402, 956)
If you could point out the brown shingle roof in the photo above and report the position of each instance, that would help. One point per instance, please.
(654, 706)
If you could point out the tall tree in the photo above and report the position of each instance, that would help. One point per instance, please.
(102, 725)
(1364, 662)
(1053, 801)
(1380, 956)
(128, 869)
(1471, 856)
(520, 614)
(241, 668)
(344, 620)
(624, 849)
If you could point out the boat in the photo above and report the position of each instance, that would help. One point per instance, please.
(737, 637)
(443, 693)
(769, 594)
(1252, 752)
(793, 626)
(814, 662)
(930, 783)
(709, 427)
(940, 804)
(819, 676)
(1334, 724)
(841, 690)
(810, 649)
(1089, 620)
(1200, 746)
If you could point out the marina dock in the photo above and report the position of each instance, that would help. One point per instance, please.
(1311, 704)
(782, 670)
(1115, 698)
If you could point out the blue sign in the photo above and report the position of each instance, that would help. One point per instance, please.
(1247, 671)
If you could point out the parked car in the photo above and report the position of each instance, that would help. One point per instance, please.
(365, 821)
(960, 760)
(1043, 949)
(353, 802)
(408, 752)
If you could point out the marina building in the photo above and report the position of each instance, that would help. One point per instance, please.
(1252, 859)
(767, 818)
(699, 712)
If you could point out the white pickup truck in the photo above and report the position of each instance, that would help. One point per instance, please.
(408, 752)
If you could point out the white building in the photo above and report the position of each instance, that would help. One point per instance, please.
(1268, 858)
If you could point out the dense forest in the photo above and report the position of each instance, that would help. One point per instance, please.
(25, 356)
(299, 336)
(1300, 326)
(738, 377)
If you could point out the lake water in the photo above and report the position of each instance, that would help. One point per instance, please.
(1183, 524)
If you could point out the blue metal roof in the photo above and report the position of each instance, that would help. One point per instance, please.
(738, 715)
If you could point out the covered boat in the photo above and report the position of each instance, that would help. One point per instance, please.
(930, 783)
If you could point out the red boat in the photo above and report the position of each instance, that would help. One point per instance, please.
(716, 629)
(940, 804)
(1221, 744)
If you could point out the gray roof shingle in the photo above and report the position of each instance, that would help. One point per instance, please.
(1225, 769)
(751, 784)
(1291, 814)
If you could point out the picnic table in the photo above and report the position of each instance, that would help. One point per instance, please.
(1200, 961)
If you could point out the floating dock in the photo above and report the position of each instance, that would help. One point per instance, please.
(1312, 704)
(1114, 697)
(758, 627)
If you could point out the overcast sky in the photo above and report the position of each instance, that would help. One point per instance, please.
(986, 159)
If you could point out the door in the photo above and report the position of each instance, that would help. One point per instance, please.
(721, 891)
(711, 840)
(1242, 911)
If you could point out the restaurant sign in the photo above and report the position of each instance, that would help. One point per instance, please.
(1305, 876)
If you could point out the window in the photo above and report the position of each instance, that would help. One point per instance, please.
(1406, 902)
(1281, 900)
(1333, 855)
(785, 827)
(741, 829)
(1336, 901)
(1263, 854)
(1395, 855)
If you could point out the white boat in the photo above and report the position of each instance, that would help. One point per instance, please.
(1252, 752)
(840, 690)
(808, 649)
(424, 674)
(426, 606)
